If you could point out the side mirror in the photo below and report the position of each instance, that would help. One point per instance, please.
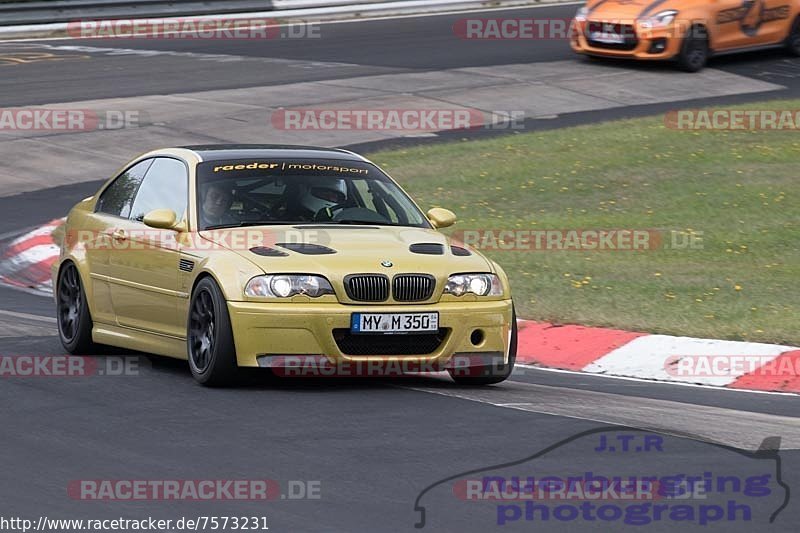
(161, 219)
(441, 218)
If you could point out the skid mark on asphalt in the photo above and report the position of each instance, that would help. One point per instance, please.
(785, 68)
(741, 429)
(9, 58)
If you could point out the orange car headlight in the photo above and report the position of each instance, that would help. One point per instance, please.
(659, 20)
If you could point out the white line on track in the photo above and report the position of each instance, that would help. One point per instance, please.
(741, 429)
(653, 381)
(26, 316)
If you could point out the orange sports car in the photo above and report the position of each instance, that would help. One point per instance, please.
(687, 31)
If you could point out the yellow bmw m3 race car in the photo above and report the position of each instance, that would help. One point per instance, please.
(286, 258)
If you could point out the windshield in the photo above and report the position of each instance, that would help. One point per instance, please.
(264, 192)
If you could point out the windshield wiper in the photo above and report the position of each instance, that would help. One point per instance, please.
(251, 223)
(360, 222)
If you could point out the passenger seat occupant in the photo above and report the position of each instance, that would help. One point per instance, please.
(322, 193)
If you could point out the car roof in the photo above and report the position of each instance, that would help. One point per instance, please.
(229, 152)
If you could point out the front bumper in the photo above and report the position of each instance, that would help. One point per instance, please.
(272, 330)
(646, 44)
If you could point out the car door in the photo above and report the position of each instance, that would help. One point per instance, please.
(745, 23)
(112, 209)
(144, 267)
(773, 20)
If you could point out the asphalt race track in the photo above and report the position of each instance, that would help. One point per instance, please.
(352, 454)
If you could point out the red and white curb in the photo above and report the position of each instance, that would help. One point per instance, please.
(25, 264)
(25, 261)
(686, 360)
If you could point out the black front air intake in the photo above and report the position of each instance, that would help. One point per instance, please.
(406, 344)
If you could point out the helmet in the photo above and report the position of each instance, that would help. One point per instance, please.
(323, 192)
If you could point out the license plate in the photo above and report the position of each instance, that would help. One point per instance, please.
(394, 322)
(607, 37)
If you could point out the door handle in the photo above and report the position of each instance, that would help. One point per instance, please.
(119, 235)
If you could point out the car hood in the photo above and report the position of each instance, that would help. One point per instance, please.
(336, 251)
(623, 11)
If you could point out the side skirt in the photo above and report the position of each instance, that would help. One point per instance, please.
(141, 341)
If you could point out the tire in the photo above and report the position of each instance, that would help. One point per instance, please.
(209, 337)
(489, 375)
(72, 312)
(694, 50)
(793, 39)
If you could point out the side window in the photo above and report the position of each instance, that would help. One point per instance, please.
(118, 197)
(164, 187)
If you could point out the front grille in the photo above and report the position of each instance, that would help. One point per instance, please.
(627, 32)
(367, 287)
(413, 287)
(405, 344)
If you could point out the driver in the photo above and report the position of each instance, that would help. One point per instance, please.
(217, 200)
(322, 193)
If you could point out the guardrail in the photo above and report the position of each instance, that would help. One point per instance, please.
(13, 13)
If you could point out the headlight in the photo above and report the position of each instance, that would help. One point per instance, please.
(582, 13)
(480, 284)
(659, 20)
(286, 285)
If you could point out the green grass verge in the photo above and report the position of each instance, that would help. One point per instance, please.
(740, 189)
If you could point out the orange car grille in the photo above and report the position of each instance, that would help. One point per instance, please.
(600, 34)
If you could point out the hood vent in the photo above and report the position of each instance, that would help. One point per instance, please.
(459, 251)
(427, 248)
(268, 252)
(306, 248)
